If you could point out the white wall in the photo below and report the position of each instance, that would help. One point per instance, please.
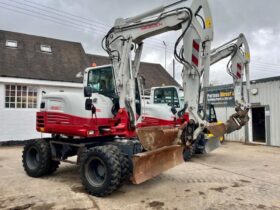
(20, 124)
(269, 95)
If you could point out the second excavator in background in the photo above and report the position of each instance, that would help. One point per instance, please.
(238, 52)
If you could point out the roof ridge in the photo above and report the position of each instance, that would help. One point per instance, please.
(40, 36)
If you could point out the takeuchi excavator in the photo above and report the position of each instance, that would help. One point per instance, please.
(101, 126)
(173, 97)
(238, 51)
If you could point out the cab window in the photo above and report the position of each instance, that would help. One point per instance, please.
(211, 114)
(102, 81)
(167, 96)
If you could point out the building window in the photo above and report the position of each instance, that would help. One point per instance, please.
(46, 48)
(20, 97)
(11, 43)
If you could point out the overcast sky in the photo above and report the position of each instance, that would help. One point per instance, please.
(87, 21)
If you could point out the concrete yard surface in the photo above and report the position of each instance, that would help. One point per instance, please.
(235, 176)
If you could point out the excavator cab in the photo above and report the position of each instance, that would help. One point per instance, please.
(210, 113)
(101, 81)
(166, 95)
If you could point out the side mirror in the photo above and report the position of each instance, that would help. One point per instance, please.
(87, 91)
(173, 110)
(88, 104)
(182, 111)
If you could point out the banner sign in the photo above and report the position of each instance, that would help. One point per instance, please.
(221, 97)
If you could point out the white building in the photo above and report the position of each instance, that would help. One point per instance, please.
(264, 125)
(31, 66)
(19, 101)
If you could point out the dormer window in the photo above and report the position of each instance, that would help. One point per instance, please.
(46, 48)
(11, 43)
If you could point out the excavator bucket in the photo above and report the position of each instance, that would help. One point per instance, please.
(162, 152)
(149, 164)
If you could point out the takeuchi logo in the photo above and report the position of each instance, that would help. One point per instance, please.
(56, 108)
(153, 25)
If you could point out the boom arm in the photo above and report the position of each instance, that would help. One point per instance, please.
(238, 65)
(239, 51)
(129, 33)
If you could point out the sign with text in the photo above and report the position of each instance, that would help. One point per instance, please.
(221, 97)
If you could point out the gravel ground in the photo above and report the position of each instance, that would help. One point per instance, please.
(235, 176)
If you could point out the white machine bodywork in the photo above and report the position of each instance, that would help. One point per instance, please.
(74, 104)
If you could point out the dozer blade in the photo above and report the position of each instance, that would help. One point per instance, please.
(212, 144)
(149, 164)
(156, 137)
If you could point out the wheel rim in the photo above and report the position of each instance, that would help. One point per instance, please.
(95, 171)
(32, 158)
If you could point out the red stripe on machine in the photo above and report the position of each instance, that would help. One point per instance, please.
(195, 60)
(238, 75)
(239, 70)
(195, 45)
(239, 66)
(195, 52)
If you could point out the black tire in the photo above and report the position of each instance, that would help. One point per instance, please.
(100, 170)
(124, 161)
(54, 165)
(36, 158)
(125, 168)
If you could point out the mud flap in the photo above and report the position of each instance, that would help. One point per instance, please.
(149, 164)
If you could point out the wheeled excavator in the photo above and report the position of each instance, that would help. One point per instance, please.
(100, 128)
(238, 51)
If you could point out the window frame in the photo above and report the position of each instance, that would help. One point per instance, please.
(110, 93)
(12, 42)
(21, 97)
(44, 47)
